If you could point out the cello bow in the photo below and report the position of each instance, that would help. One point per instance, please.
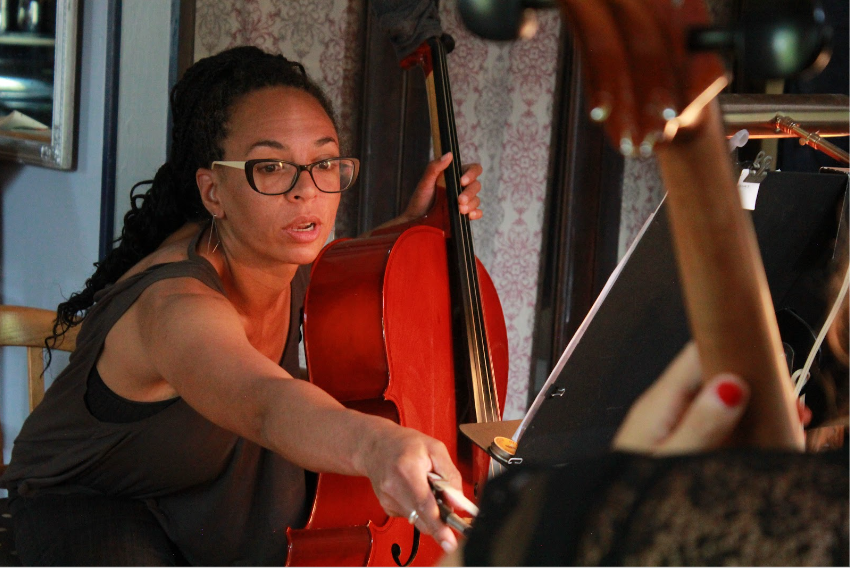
(651, 94)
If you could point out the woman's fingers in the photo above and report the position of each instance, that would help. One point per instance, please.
(680, 414)
(423, 196)
(683, 373)
(401, 481)
(711, 417)
(654, 415)
(468, 201)
(804, 412)
(441, 464)
(434, 526)
(471, 173)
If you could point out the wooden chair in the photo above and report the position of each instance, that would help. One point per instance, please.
(26, 327)
(29, 327)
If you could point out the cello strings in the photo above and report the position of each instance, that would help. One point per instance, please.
(476, 332)
(487, 383)
(475, 328)
(461, 233)
(484, 386)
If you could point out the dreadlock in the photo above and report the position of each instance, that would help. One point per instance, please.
(201, 103)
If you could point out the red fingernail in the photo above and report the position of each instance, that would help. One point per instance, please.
(730, 393)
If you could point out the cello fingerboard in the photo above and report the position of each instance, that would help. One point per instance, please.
(473, 357)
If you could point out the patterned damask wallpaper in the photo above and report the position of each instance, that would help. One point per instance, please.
(321, 34)
(503, 96)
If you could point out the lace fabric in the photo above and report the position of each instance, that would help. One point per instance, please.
(724, 508)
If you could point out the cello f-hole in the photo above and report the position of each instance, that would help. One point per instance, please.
(396, 550)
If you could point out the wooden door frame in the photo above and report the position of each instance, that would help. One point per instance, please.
(581, 219)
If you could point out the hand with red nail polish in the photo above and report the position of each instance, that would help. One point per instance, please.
(730, 393)
(681, 413)
(804, 412)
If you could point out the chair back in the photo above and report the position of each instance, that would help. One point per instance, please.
(26, 327)
(29, 327)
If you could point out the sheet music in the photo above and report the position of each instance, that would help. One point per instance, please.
(749, 190)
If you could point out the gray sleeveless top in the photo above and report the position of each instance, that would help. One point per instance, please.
(222, 499)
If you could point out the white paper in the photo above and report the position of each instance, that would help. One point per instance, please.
(749, 191)
(19, 121)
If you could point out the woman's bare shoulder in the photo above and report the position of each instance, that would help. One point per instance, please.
(173, 249)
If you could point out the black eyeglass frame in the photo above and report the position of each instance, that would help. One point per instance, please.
(248, 167)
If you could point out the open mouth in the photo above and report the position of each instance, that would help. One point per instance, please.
(304, 229)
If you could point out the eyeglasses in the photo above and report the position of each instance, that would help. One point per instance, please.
(276, 177)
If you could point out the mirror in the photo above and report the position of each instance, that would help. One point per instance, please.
(38, 68)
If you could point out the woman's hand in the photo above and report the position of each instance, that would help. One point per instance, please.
(423, 196)
(397, 461)
(681, 414)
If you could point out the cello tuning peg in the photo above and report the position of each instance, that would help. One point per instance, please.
(448, 42)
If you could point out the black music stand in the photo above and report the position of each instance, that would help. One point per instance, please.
(636, 329)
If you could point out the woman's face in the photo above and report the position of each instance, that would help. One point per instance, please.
(280, 123)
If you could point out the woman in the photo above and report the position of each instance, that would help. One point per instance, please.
(176, 433)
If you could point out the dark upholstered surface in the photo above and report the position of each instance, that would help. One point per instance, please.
(8, 556)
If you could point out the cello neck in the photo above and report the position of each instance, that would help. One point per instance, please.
(473, 357)
(724, 284)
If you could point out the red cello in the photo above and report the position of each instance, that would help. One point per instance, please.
(407, 326)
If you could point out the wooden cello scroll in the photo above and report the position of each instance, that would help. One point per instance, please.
(392, 322)
(652, 95)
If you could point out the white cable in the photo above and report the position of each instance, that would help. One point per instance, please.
(801, 376)
(738, 140)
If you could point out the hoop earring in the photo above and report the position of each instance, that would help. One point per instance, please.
(209, 240)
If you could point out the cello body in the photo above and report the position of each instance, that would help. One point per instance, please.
(379, 337)
(404, 324)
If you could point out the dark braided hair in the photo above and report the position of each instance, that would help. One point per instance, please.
(201, 103)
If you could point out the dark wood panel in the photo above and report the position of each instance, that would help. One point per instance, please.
(110, 129)
(581, 219)
(395, 131)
